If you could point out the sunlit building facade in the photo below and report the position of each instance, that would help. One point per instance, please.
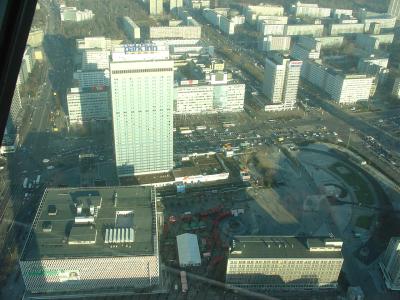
(284, 263)
(142, 107)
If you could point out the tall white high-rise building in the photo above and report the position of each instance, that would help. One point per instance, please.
(390, 264)
(142, 108)
(281, 80)
(396, 88)
(16, 108)
(175, 4)
(27, 64)
(394, 8)
(95, 59)
(156, 7)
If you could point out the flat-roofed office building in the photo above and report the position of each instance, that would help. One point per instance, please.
(396, 88)
(284, 263)
(156, 7)
(253, 12)
(16, 111)
(91, 78)
(390, 264)
(198, 4)
(87, 240)
(343, 88)
(304, 29)
(175, 32)
(192, 97)
(311, 10)
(345, 29)
(132, 30)
(175, 4)
(95, 59)
(394, 8)
(35, 38)
(274, 43)
(100, 42)
(88, 104)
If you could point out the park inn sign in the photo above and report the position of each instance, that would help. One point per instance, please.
(140, 48)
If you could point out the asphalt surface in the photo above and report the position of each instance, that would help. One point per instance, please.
(39, 142)
(383, 137)
(35, 135)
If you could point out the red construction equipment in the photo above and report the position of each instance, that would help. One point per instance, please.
(216, 260)
(166, 229)
(186, 218)
(211, 211)
(223, 215)
(216, 238)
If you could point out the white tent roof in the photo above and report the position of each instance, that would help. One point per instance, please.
(188, 249)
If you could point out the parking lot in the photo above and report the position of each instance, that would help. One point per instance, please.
(265, 130)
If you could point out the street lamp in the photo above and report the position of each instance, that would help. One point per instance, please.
(348, 141)
(67, 121)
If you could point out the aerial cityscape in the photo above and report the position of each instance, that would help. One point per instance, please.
(204, 149)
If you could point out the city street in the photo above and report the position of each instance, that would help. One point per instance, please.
(291, 158)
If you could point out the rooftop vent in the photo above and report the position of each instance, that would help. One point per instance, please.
(84, 220)
(79, 209)
(80, 235)
(52, 210)
(119, 235)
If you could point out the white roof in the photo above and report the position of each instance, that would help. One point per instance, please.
(188, 249)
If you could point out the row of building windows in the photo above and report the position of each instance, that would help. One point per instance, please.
(283, 262)
(285, 286)
(142, 71)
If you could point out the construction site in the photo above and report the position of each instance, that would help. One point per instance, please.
(214, 228)
(287, 190)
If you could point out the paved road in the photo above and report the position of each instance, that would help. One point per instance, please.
(26, 162)
(384, 138)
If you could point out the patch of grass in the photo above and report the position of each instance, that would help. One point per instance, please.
(364, 222)
(356, 181)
